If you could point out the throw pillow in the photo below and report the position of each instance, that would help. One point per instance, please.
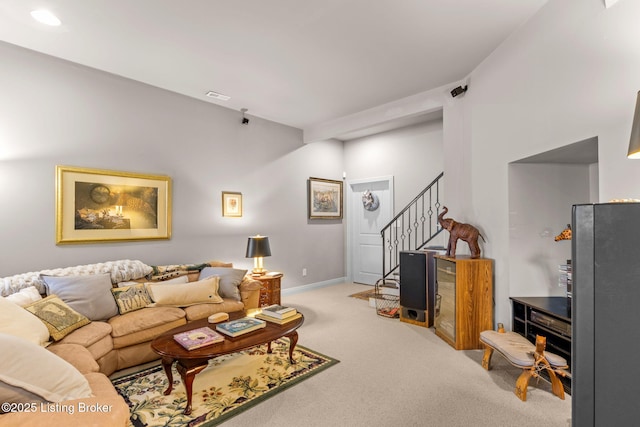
(15, 320)
(57, 316)
(29, 370)
(25, 296)
(185, 294)
(230, 279)
(131, 298)
(89, 295)
(179, 279)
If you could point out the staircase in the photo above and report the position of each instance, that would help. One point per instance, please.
(412, 229)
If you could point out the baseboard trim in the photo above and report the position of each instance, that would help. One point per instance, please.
(311, 286)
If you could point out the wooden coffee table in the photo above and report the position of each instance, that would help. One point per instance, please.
(191, 362)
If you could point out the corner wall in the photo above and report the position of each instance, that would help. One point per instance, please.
(572, 72)
(54, 112)
(539, 195)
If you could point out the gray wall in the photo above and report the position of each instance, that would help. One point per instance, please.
(540, 200)
(568, 74)
(55, 112)
(413, 155)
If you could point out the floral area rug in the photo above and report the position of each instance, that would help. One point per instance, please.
(228, 386)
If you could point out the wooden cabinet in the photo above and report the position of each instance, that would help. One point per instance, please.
(270, 291)
(464, 300)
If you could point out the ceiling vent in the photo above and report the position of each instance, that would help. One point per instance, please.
(218, 96)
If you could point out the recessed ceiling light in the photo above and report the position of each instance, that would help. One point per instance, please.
(216, 95)
(46, 17)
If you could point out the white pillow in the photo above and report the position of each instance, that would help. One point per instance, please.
(36, 370)
(25, 296)
(185, 294)
(175, 280)
(15, 320)
(179, 279)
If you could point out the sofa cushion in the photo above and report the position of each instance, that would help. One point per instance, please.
(145, 318)
(38, 371)
(202, 311)
(57, 316)
(25, 296)
(76, 355)
(131, 298)
(230, 279)
(95, 337)
(185, 294)
(90, 295)
(15, 320)
(145, 335)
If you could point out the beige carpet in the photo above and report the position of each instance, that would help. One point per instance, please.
(394, 373)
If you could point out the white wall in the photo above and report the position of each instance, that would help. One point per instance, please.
(569, 74)
(540, 200)
(54, 112)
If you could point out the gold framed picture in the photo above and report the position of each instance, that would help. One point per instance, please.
(96, 205)
(231, 204)
(324, 199)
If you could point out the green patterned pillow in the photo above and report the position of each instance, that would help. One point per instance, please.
(58, 317)
(131, 298)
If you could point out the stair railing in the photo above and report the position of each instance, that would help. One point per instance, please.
(413, 228)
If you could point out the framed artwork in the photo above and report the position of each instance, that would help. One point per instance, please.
(324, 199)
(231, 204)
(95, 205)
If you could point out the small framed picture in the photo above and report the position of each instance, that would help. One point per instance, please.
(231, 204)
(324, 199)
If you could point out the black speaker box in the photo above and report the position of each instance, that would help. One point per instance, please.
(417, 286)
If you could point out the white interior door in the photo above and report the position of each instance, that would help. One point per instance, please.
(365, 241)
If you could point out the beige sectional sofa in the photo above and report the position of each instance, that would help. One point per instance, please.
(101, 347)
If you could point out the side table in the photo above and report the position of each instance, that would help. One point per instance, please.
(270, 291)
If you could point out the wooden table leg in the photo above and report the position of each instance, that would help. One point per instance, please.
(269, 347)
(486, 358)
(166, 364)
(188, 373)
(293, 340)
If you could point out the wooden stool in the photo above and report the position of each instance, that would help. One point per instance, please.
(521, 353)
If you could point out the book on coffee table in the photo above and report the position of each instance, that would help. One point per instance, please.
(263, 316)
(197, 338)
(242, 326)
(279, 311)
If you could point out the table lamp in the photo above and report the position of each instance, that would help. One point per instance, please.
(257, 248)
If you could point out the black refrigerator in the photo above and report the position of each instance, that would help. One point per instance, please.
(606, 315)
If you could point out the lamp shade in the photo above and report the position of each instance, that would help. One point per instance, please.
(634, 142)
(258, 246)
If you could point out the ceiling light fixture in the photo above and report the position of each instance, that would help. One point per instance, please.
(219, 96)
(46, 17)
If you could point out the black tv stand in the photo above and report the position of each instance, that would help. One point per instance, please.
(549, 317)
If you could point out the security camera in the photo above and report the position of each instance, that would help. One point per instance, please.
(458, 91)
